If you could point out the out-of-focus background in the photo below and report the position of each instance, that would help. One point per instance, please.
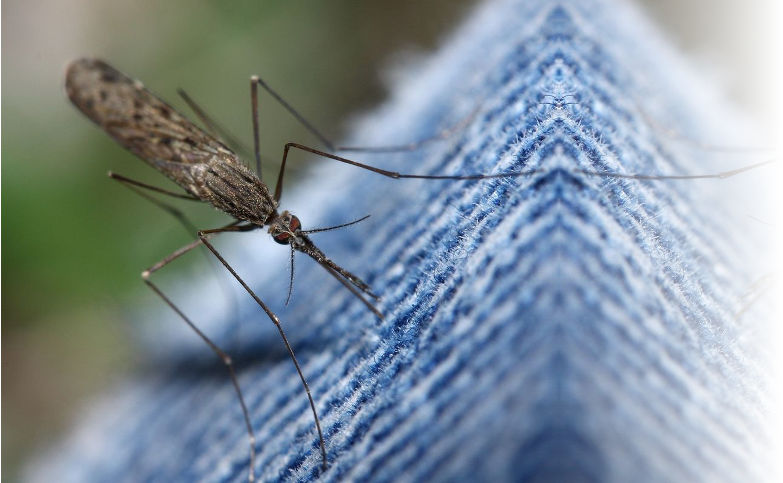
(74, 242)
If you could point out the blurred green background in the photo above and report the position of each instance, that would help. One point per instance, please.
(74, 242)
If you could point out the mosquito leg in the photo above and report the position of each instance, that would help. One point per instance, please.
(208, 122)
(203, 235)
(257, 81)
(678, 136)
(189, 227)
(229, 364)
(130, 182)
(413, 146)
(721, 175)
(383, 172)
(331, 146)
(397, 175)
(145, 275)
(214, 127)
(190, 246)
(135, 185)
(757, 290)
(254, 108)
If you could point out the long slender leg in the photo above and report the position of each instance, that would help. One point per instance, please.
(131, 182)
(256, 81)
(396, 175)
(383, 172)
(444, 133)
(254, 108)
(145, 275)
(721, 175)
(137, 186)
(203, 235)
(331, 145)
(214, 127)
(757, 290)
(678, 136)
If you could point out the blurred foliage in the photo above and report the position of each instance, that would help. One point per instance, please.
(74, 242)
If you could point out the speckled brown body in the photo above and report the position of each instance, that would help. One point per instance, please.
(167, 140)
(202, 165)
(207, 170)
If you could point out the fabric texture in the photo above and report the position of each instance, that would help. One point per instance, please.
(557, 326)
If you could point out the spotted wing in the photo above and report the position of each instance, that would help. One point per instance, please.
(140, 121)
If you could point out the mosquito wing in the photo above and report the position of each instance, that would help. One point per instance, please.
(141, 122)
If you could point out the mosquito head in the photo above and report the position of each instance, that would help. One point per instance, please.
(286, 229)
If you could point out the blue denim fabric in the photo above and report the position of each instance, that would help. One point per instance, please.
(552, 327)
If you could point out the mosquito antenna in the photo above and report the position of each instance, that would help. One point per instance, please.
(291, 279)
(317, 230)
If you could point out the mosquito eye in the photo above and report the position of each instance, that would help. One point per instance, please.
(282, 238)
(294, 224)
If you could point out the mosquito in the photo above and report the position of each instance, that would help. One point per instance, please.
(208, 170)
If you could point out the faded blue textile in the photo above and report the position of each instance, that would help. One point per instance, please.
(557, 326)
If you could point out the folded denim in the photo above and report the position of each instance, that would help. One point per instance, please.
(555, 326)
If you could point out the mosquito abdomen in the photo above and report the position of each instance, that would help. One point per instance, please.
(234, 189)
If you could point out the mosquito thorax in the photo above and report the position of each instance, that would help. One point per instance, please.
(285, 229)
